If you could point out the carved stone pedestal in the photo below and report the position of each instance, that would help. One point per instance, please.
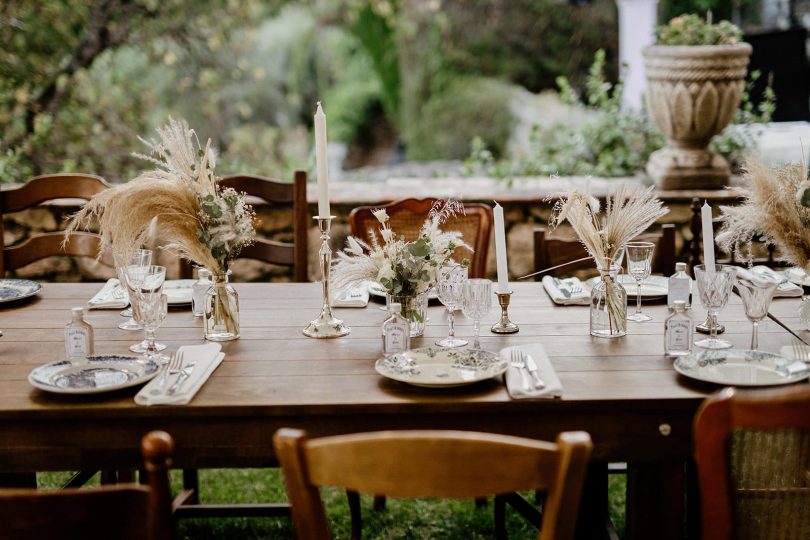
(688, 168)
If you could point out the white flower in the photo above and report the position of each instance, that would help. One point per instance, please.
(381, 215)
(386, 272)
(387, 234)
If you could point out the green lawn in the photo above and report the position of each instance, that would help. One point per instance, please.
(402, 519)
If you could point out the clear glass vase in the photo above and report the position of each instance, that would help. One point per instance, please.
(608, 305)
(221, 318)
(414, 308)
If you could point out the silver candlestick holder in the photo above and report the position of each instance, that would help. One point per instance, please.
(504, 326)
(706, 326)
(326, 325)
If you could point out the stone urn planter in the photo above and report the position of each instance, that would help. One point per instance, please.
(692, 94)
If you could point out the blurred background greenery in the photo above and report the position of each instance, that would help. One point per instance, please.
(400, 80)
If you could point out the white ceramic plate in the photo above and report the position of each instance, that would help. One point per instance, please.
(434, 367)
(93, 375)
(17, 289)
(178, 291)
(375, 289)
(735, 367)
(653, 287)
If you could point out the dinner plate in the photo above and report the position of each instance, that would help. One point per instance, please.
(178, 291)
(93, 374)
(736, 367)
(653, 287)
(17, 289)
(434, 367)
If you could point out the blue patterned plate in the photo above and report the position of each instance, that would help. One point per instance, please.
(434, 367)
(93, 374)
(735, 367)
(17, 289)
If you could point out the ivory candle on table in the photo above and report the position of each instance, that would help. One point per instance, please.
(321, 163)
(500, 250)
(708, 237)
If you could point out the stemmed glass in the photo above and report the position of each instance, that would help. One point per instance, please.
(639, 266)
(142, 257)
(143, 281)
(153, 308)
(450, 287)
(756, 296)
(714, 288)
(476, 304)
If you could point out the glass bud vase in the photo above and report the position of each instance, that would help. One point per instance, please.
(414, 308)
(608, 305)
(221, 318)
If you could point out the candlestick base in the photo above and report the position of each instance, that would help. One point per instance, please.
(504, 326)
(706, 326)
(326, 326)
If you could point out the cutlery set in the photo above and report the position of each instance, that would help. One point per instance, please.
(174, 367)
(527, 368)
(566, 288)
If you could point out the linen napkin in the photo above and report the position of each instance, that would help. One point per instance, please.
(561, 291)
(207, 358)
(111, 296)
(514, 380)
(785, 288)
(352, 297)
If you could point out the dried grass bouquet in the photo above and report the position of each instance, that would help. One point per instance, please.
(180, 198)
(401, 267)
(775, 206)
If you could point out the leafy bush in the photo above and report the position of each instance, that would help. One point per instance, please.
(694, 30)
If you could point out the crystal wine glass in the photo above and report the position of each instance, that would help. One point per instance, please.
(639, 265)
(141, 281)
(450, 287)
(153, 307)
(476, 304)
(142, 257)
(714, 288)
(756, 294)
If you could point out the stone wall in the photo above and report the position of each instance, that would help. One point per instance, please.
(523, 202)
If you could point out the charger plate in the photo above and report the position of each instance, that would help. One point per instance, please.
(12, 290)
(94, 374)
(435, 367)
(736, 367)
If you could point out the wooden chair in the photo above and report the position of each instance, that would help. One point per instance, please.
(433, 464)
(275, 192)
(550, 252)
(37, 191)
(124, 512)
(753, 458)
(408, 215)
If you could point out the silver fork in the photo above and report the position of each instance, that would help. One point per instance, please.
(801, 351)
(172, 368)
(576, 289)
(518, 363)
(185, 373)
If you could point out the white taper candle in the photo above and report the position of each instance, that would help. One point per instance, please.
(500, 250)
(708, 237)
(321, 163)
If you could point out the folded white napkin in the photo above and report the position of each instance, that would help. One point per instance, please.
(352, 297)
(206, 357)
(111, 296)
(560, 291)
(514, 380)
(785, 288)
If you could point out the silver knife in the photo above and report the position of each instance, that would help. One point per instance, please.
(184, 374)
(562, 287)
(531, 365)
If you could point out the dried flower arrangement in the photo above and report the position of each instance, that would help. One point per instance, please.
(195, 217)
(402, 268)
(628, 213)
(776, 206)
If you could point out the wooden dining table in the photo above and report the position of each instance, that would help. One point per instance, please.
(624, 392)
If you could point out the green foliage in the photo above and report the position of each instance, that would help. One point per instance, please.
(468, 107)
(694, 30)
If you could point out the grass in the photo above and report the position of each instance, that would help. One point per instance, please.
(402, 519)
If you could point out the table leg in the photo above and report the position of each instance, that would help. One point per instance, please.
(656, 501)
(593, 521)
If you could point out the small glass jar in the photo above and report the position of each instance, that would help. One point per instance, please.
(221, 319)
(608, 305)
(414, 308)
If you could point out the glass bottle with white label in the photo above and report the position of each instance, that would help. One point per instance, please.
(78, 336)
(679, 286)
(396, 331)
(198, 291)
(678, 331)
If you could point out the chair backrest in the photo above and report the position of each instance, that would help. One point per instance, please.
(550, 252)
(433, 464)
(275, 192)
(37, 191)
(753, 458)
(124, 512)
(408, 215)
